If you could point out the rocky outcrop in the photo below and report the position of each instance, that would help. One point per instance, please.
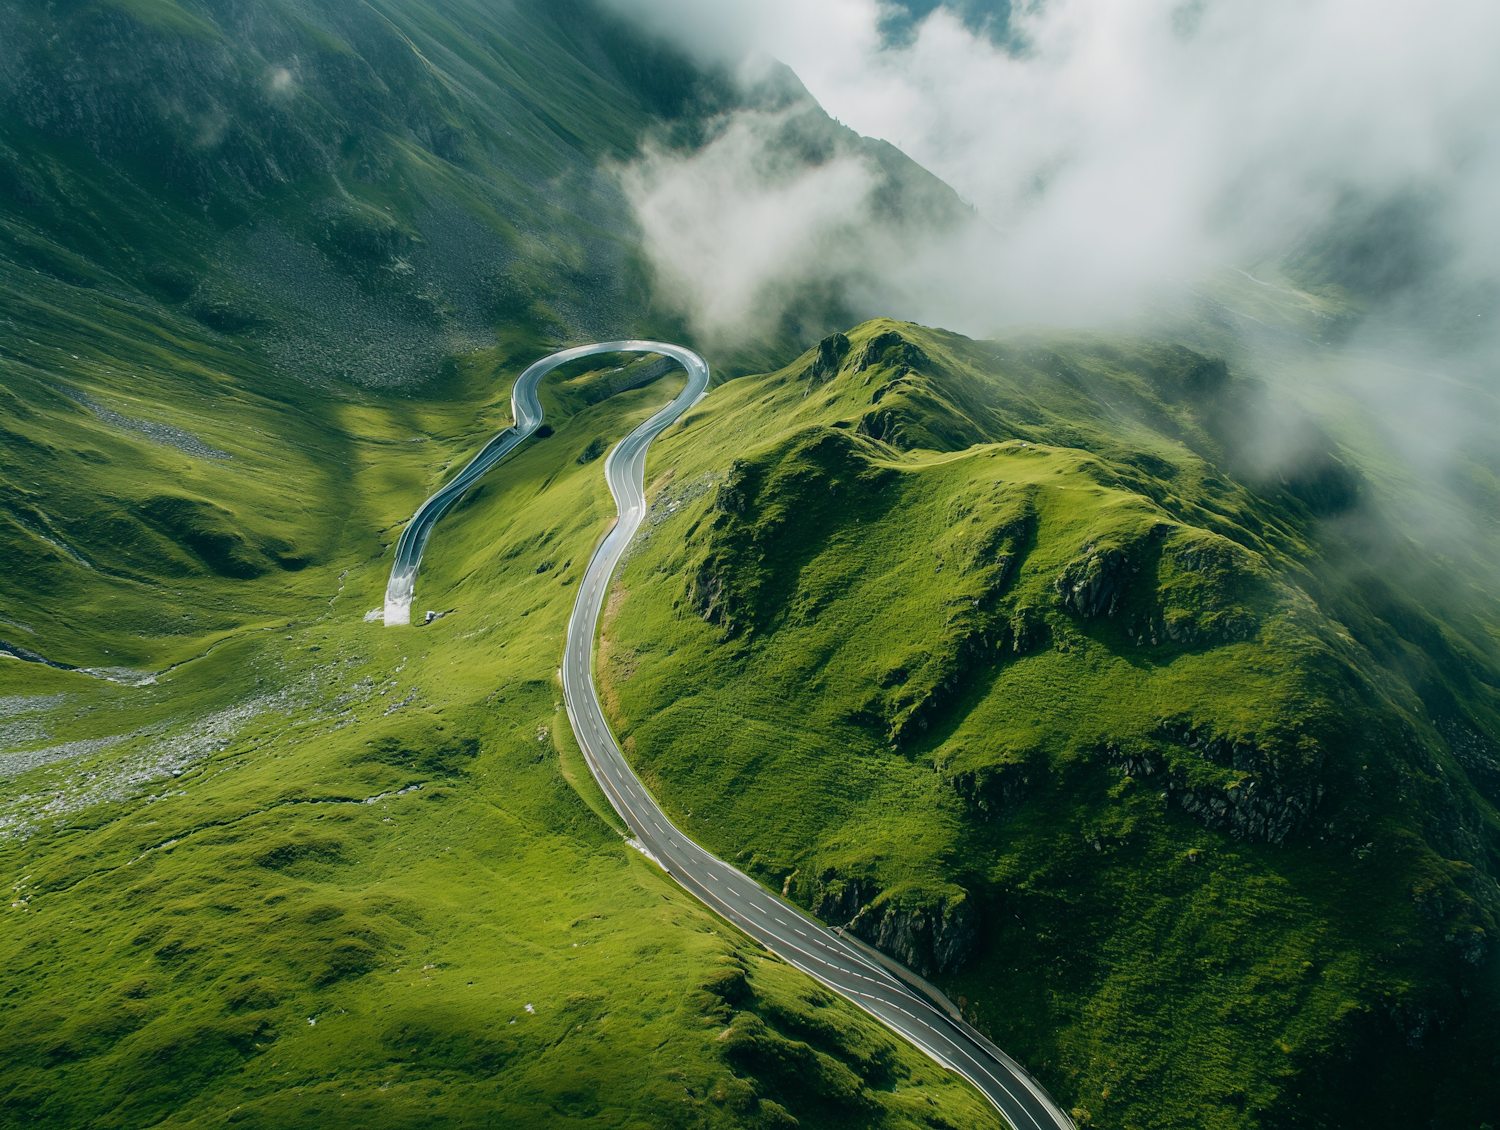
(705, 593)
(1095, 583)
(1478, 755)
(839, 900)
(1466, 926)
(831, 353)
(598, 387)
(709, 592)
(1209, 587)
(892, 349)
(993, 792)
(735, 492)
(1027, 630)
(1168, 583)
(935, 938)
(884, 426)
(1260, 803)
(1251, 809)
(928, 935)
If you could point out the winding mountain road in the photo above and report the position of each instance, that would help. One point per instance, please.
(845, 965)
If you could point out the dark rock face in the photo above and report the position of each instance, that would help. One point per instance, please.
(1477, 754)
(1168, 584)
(734, 493)
(875, 351)
(1094, 584)
(884, 426)
(1465, 925)
(831, 353)
(1263, 804)
(995, 792)
(1252, 810)
(1026, 630)
(932, 939)
(839, 900)
(706, 594)
(1416, 1024)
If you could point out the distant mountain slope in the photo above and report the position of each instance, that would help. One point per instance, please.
(208, 206)
(1178, 772)
(358, 188)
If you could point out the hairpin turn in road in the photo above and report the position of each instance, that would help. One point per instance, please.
(846, 966)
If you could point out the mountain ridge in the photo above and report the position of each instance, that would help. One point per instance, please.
(978, 689)
(1164, 743)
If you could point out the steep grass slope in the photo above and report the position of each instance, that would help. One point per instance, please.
(1180, 776)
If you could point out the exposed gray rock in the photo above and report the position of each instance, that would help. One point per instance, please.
(931, 939)
(937, 937)
(1263, 804)
(1094, 584)
(164, 434)
(1478, 755)
(705, 593)
(1250, 809)
(15, 704)
(839, 900)
(1227, 627)
(831, 353)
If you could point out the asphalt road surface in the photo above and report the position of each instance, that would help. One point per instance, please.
(875, 983)
(526, 411)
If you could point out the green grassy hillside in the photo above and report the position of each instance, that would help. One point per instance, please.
(268, 272)
(321, 873)
(1009, 657)
(1175, 763)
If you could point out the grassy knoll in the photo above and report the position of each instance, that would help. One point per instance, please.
(1169, 769)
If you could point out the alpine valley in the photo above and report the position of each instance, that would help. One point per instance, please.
(1171, 759)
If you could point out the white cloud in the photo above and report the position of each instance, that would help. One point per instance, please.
(729, 225)
(1138, 144)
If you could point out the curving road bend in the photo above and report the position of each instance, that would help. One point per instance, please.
(841, 963)
(526, 411)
